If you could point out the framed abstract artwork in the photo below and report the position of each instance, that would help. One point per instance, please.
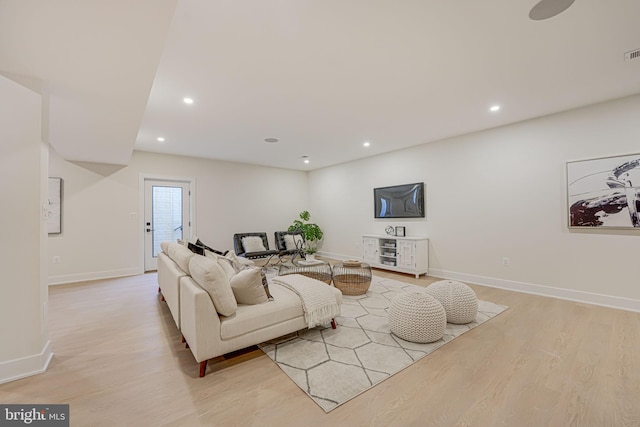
(604, 192)
(54, 212)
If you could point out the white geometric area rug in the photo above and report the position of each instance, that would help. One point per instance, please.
(335, 365)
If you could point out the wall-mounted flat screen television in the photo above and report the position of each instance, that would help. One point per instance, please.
(399, 201)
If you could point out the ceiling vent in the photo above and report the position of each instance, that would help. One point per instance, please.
(634, 54)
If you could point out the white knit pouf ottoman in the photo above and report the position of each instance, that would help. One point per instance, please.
(417, 317)
(458, 300)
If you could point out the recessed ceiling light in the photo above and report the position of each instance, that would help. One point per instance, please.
(366, 144)
(494, 108)
(160, 139)
(305, 159)
(271, 140)
(188, 100)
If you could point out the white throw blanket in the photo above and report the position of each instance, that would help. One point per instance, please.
(319, 301)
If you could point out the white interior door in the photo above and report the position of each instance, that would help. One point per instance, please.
(166, 216)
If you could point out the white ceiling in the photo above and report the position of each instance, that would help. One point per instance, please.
(321, 76)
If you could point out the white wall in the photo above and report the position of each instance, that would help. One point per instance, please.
(494, 194)
(25, 349)
(102, 220)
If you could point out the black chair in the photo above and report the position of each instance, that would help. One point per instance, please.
(240, 251)
(281, 245)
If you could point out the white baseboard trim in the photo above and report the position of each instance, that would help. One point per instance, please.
(542, 290)
(96, 275)
(339, 257)
(620, 303)
(16, 369)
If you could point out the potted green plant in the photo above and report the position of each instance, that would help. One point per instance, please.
(311, 232)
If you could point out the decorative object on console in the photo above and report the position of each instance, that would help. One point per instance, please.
(400, 231)
(390, 230)
(604, 192)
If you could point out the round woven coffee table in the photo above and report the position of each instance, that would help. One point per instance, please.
(320, 271)
(352, 279)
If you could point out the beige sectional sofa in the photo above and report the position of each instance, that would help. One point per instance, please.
(196, 308)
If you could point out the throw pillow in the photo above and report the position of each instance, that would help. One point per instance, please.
(196, 249)
(181, 255)
(265, 285)
(239, 263)
(215, 251)
(223, 262)
(292, 242)
(253, 244)
(247, 287)
(209, 275)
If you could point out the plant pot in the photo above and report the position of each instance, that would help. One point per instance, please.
(310, 257)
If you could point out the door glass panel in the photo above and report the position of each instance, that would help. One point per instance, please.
(167, 216)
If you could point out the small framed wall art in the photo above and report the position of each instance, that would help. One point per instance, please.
(400, 231)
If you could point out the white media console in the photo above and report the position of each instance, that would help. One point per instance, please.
(402, 254)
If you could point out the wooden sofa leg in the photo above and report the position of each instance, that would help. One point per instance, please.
(203, 368)
(159, 290)
(183, 340)
(333, 323)
(162, 297)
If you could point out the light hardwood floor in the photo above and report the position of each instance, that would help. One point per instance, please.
(544, 362)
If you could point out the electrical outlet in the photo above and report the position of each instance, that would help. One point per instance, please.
(56, 259)
(506, 261)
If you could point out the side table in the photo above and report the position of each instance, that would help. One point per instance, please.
(352, 279)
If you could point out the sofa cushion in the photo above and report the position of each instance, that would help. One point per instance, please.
(181, 255)
(253, 244)
(248, 318)
(209, 275)
(164, 246)
(223, 262)
(247, 287)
